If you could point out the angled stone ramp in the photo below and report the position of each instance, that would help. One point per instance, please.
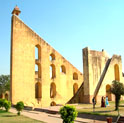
(78, 97)
(120, 119)
(102, 77)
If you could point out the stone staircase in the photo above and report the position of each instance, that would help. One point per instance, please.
(120, 119)
(78, 97)
(102, 77)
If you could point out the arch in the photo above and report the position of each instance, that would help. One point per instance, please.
(52, 90)
(52, 71)
(52, 56)
(75, 76)
(52, 103)
(38, 70)
(6, 96)
(63, 69)
(75, 88)
(116, 71)
(37, 51)
(108, 93)
(38, 90)
(1, 95)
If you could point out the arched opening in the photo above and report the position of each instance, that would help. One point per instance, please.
(75, 76)
(52, 90)
(1, 96)
(37, 61)
(38, 52)
(6, 96)
(108, 93)
(75, 88)
(37, 71)
(52, 71)
(52, 56)
(116, 70)
(38, 90)
(53, 104)
(63, 69)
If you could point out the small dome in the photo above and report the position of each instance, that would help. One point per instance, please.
(16, 11)
(16, 8)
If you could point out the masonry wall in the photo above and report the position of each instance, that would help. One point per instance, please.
(110, 76)
(93, 66)
(23, 76)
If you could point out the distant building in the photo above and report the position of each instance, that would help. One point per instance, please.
(5, 95)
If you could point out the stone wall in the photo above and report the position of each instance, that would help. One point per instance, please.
(24, 78)
(94, 64)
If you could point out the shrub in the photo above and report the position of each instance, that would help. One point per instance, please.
(2, 103)
(19, 107)
(7, 105)
(68, 114)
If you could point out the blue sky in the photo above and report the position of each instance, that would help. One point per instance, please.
(68, 26)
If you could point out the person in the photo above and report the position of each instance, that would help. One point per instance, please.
(107, 103)
(94, 103)
(103, 101)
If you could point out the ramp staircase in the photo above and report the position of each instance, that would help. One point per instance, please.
(78, 97)
(120, 119)
(102, 77)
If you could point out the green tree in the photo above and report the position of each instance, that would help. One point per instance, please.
(4, 83)
(117, 89)
(19, 107)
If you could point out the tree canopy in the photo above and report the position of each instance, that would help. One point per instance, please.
(4, 83)
(117, 89)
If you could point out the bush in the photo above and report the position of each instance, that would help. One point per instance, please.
(2, 103)
(7, 105)
(19, 107)
(68, 114)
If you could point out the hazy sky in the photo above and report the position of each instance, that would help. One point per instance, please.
(68, 26)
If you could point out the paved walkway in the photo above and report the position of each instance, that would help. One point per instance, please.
(53, 118)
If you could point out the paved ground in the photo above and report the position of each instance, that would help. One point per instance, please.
(55, 118)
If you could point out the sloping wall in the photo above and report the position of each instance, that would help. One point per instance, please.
(37, 88)
(102, 78)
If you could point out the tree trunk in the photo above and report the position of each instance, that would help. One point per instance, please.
(117, 99)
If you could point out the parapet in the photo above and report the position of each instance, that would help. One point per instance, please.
(95, 53)
(116, 57)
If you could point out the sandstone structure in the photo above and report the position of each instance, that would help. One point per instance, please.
(5, 95)
(41, 77)
(99, 72)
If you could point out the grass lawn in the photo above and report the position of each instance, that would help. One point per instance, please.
(7, 117)
(109, 111)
